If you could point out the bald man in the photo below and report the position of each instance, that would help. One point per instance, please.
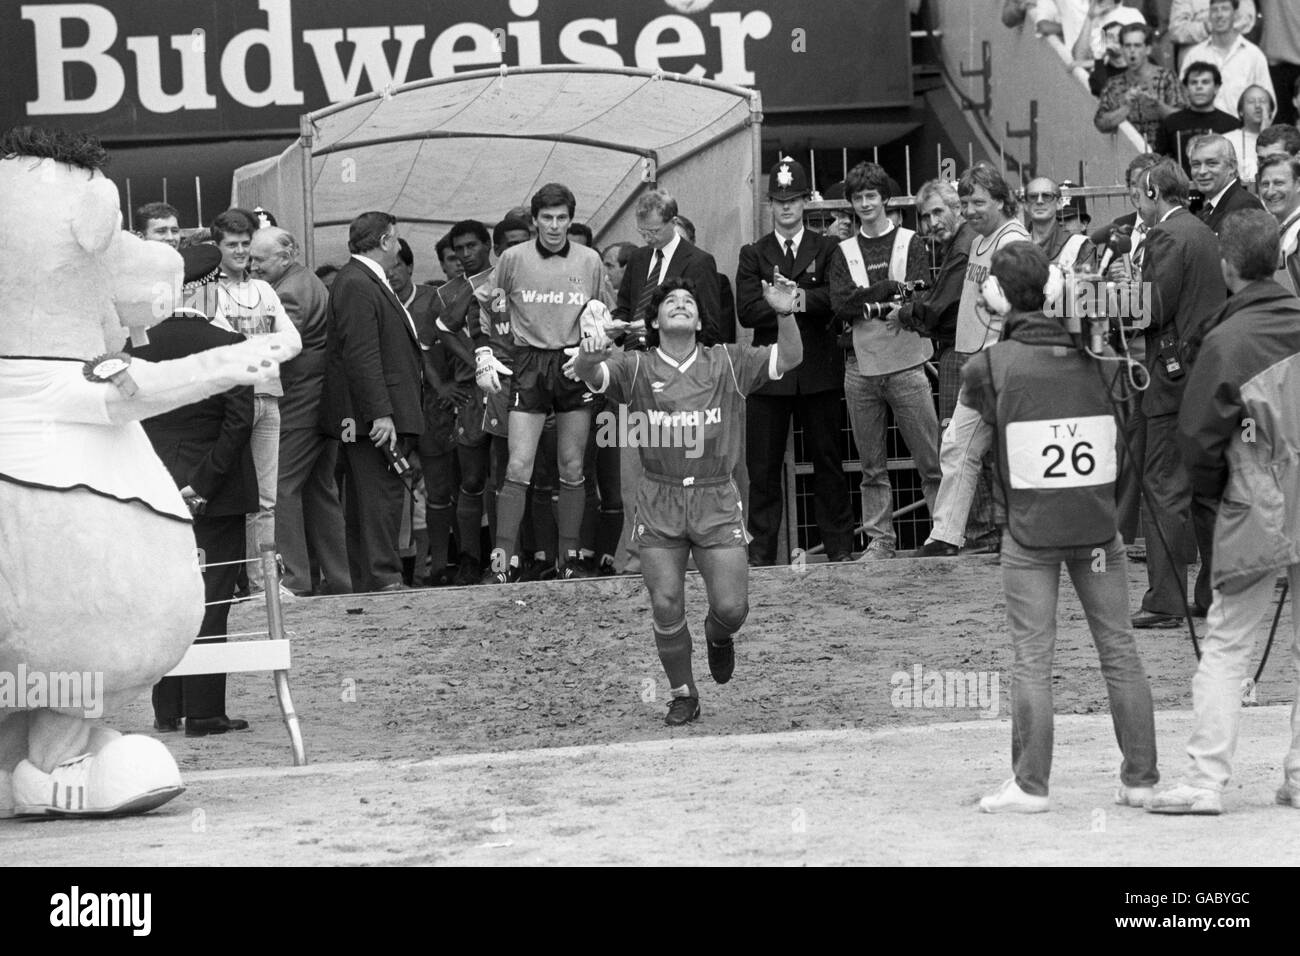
(308, 516)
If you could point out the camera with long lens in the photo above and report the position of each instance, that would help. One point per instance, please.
(906, 293)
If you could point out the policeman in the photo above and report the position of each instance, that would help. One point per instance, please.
(1056, 441)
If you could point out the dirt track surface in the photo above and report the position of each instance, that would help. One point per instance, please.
(523, 724)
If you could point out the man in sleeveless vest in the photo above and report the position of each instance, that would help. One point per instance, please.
(989, 207)
(1056, 444)
(884, 367)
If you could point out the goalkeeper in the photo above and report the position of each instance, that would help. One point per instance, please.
(545, 290)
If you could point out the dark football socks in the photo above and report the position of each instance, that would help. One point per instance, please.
(511, 500)
(675, 655)
(718, 631)
(573, 500)
(469, 523)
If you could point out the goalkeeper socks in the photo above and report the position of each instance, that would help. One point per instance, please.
(717, 631)
(573, 500)
(609, 527)
(675, 655)
(438, 519)
(511, 500)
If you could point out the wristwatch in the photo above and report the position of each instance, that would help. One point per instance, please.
(111, 367)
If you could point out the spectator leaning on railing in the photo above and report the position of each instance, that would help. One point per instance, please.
(1143, 94)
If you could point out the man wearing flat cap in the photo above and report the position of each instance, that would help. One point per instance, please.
(813, 392)
(205, 447)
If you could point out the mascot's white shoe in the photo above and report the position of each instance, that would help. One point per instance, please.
(132, 774)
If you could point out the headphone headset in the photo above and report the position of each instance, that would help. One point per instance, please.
(996, 299)
(1152, 193)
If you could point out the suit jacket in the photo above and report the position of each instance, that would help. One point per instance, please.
(688, 261)
(306, 300)
(822, 368)
(1181, 269)
(205, 444)
(372, 358)
(1236, 197)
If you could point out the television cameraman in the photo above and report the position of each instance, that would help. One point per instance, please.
(1053, 417)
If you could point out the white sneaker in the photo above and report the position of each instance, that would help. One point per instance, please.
(1288, 795)
(1009, 798)
(1187, 799)
(1134, 796)
(132, 774)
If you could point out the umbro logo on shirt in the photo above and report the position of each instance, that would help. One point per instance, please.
(657, 386)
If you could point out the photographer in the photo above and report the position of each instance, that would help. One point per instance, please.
(934, 312)
(884, 364)
(1056, 444)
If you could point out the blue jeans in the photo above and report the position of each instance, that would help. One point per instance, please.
(1031, 578)
(259, 528)
(908, 394)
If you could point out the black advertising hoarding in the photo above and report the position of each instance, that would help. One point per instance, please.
(162, 69)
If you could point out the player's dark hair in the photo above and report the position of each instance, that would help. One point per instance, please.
(471, 227)
(583, 230)
(367, 231)
(553, 194)
(1248, 239)
(868, 176)
(657, 299)
(233, 222)
(405, 254)
(508, 224)
(1021, 268)
(74, 149)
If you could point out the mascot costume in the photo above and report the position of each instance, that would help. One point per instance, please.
(99, 585)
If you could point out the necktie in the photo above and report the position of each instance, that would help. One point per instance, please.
(1207, 210)
(651, 283)
(787, 267)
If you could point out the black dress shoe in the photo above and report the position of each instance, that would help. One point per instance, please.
(1148, 621)
(166, 725)
(202, 726)
(937, 549)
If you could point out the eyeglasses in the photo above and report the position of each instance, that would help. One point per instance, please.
(650, 232)
(1041, 197)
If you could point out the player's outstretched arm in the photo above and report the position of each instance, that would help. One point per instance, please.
(587, 362)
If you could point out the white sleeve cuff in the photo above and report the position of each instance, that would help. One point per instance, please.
(772, 372)
(604, 379)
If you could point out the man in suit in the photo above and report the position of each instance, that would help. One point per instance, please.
(1181, 268)
(206, 448)
(667, 255)
(308, 516)
(1213, 162)
(372, 399)
(813, 392)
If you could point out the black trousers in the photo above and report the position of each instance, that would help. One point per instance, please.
(1187, 520)
(220, 539)
(767, 424)
(373, 497)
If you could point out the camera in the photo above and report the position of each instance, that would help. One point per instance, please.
(906, 292)
(396, 460)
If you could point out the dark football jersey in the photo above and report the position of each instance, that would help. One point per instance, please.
(687, 419)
